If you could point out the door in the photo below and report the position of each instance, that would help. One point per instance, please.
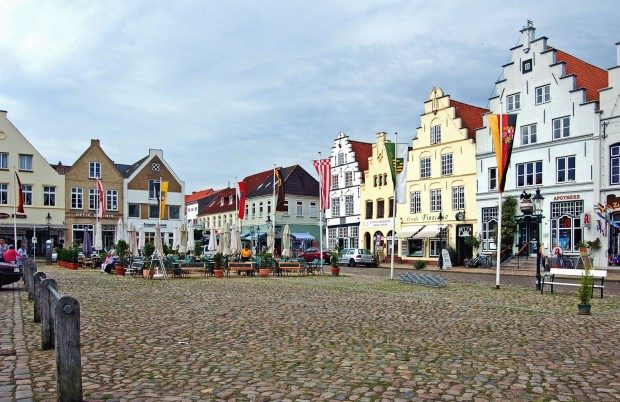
(463, 250)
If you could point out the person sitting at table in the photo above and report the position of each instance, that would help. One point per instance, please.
(246, 254)
(108, 264)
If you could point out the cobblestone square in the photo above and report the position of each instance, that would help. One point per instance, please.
(324, 338)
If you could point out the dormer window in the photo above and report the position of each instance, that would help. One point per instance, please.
(221, 202)
(94, 170)
(230, 200)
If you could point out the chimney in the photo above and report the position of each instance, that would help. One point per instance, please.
(617, 53)
(527, 35)
(94, 141)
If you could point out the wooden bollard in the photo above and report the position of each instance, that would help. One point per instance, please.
(47, 314)
(30, 270)
(68, 354)
(37, 279)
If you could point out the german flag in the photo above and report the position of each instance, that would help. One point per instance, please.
(503, 128)
(20, 195)
(280, 183)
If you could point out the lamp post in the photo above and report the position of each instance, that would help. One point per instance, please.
(440, 261)
(538, 199)
(48, 242)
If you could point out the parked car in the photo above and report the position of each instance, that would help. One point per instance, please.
(357, 256)
(9, 273)
(312, 253)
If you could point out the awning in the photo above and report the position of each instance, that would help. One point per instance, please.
(302, 236)
(409, 231)
(427, 231)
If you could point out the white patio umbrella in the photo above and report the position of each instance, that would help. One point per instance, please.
(191, 243)
(131, 237)
(212, 240)
(98, 236)
(271, 241)
(286, 242)
(120, 230)
(159, 246)
(141, 239)
(234, 240)
(183, 238)
(175, 238)
(226, 245)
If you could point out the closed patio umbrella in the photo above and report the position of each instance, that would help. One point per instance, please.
(175, 238)
(86, 244)
(271, 241)
(234, 240)
(141, 239)
(98, 237)
(191, 243)
(226, 245)
(183, 238)
(286, 242)
(131, 237)
(212, 240)
(120, 230)
(159, 246)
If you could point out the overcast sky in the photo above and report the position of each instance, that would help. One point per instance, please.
(229, 88)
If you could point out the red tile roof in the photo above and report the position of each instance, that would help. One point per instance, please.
(215, 206)
(253, 181)
(588, 76)
(471, 116)
(197, 195)
(363, 151)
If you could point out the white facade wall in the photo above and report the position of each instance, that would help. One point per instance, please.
(343, 228)
(565, 101)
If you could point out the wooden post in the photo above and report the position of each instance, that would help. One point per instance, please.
(47, 314)
(29, 269)
(68, 354)
(38, 280)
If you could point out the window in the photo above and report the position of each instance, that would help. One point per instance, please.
(335, 206)
(4, 160)
(566, 231)
(614, 164)
(300, 208)
(111, 200)
(526, 66)
(230, 200)
(529, 174)
(153, 211)
(341, 159)
(285, 212)
(543, 94)
(436, 200)
(458, 198)
(174, 211)
(436, 134)
(446, 164)
(425, 167)
(260, 209)
(153, 189)
(247, 211)
(415, 204)
(565, 169)
(253, 210)
(391, 207)
(375, 179)
(4, 193)
(342, 232)
(561, 127)
(439, 242)
(513, 102)
(134, 210)
(348, 179)
(221, 201)
(313, 209)
(368, 209)
(25, 162)
(380, 208)
(268, 208)
(49, 196)
(384, 179)
(489, 226)
(354, 234)
(27, 190)
(492, 178)
(528, 134)
(77, 198)
(348, 205)
(94, 170)
(333, 239)
(334, 181)
(93, 199)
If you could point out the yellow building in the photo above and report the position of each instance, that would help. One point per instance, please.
(441, 181)
(377, 193)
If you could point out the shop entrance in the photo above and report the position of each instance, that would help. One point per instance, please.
(463, 250)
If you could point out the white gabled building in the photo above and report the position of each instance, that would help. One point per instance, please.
(349, 160)
(555, 96)
(609, 176)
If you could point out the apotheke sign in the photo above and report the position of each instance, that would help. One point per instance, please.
(568, 197)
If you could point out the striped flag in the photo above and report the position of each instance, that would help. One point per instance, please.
(241, 198)
(503, 132)
(323, 168)
(20, 196)
(101, 199)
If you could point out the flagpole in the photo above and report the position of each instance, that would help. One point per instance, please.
(393, 168)
(320, 208)
(97, 212)
(15, 195)
(237, 206)
(499, 210)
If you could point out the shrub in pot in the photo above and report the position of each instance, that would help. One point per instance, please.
(585, 292)
(218, 259)
(121, 249)
(334, 261)
(266, 260)
(419, 265)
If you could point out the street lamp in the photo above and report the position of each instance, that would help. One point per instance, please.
(538, 199)
(48, 242)
(440, 261)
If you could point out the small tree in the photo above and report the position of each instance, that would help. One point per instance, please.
(586, 287)
(198, 248)
(121, 249)
(149, 249)
(509, 223)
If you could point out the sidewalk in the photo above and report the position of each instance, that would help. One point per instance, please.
(613, 273)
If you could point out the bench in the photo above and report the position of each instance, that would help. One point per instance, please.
(566, 273)
(291, 266)
(248, 267)
(202, 270)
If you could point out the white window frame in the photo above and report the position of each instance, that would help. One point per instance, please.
(4, 160)
(529, 134)
(334, 181)
(313, 209)
(348, 179)
(111, 200)
(49, 196)
(335, 207)
(286, 211)
(447, 164)
(530, 170)
(543, 94)
(94, 170)
(458, 198)
(348, 204)
(415, 202)
(425, 167)
(513, 102)
(435, 195)
(152, 189)
(93, 199)
(25, 162)
(436, 134)
(299, 209)
(492, 178)
(4, 193)
(614, 164)
(561, 127)
(565, 170)
(27, 190)
(77, 198)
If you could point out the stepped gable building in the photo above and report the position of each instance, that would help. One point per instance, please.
(43, 187)
(349, 160)
(441, 181)
(556, 99)
(81, 195)
(609, 167)
(141, 206)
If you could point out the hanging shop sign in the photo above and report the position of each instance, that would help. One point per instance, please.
(586, 219)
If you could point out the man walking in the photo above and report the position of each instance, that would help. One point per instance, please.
(22, 253)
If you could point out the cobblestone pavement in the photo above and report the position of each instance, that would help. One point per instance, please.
(15, 380)
(355, 337)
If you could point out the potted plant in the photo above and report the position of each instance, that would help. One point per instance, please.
(265, 262)
(74, 264)
(59, 257)
(419, 265)
(121, 250)
(334, 260)
(147, 251)
(218, 259)
(585, 292)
